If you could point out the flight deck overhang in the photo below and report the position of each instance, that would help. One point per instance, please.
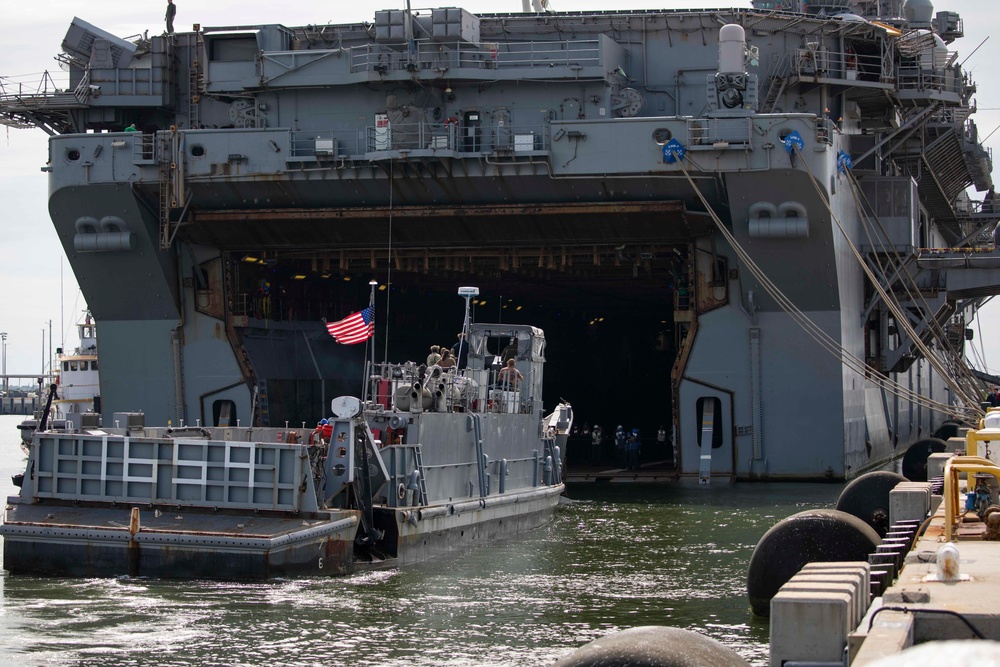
(454, 227)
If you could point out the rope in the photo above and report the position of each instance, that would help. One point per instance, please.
(897, 310)
(824, 340)
(959, 370)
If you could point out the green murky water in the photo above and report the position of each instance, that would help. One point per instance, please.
(615, 557)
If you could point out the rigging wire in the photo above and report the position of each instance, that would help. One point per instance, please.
(823, 339)
(960, 371)
(896, 308)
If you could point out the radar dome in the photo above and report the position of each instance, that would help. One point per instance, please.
(732, 46)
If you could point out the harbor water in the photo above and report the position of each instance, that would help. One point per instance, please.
(616, 556)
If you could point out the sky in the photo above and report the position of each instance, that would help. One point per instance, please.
(37, 285)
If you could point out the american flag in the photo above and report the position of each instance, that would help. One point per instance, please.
(355, 328)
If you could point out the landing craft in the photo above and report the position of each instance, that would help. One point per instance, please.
(719, 216)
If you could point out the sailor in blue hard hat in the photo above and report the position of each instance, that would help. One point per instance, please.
(633, 449)
(620, 452)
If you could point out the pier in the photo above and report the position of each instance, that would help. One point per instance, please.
(24, 402)
(936, 585)
(19, 405)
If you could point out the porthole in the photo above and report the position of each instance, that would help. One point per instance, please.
(197, 150)
(73, 155)
(662, 135)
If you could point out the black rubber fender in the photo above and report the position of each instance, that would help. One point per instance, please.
(947, 430)
(867, 498)
(915, 458)
(807, 537)
(653, 646)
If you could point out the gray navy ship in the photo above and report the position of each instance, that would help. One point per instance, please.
(720, 218)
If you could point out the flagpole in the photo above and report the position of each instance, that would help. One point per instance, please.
(371, 304)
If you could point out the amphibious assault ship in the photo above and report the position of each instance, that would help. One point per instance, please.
(720, 217)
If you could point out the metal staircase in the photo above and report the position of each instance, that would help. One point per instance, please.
(942, 163)
(778, 76)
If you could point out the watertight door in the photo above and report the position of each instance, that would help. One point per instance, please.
(706, 445)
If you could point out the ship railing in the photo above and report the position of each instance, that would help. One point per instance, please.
(711, 133)
(394, 386)
(143, 146)
(450, 134)
(18, 101)
(450, 479)
(918, 78)
(439, 56)
(825, 129)
(458, 136)
(814, 62)
(954, 116)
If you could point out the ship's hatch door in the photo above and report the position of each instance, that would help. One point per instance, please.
(706, 431)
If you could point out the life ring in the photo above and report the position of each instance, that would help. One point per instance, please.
(451, 120)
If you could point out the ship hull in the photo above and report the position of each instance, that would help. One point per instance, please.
(719, 216)
(53, 540)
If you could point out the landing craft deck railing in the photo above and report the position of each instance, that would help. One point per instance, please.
(469, 389)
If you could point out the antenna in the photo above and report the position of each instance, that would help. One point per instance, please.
(466, 293)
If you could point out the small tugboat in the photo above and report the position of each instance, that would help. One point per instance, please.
(428, 459)
(76, 393)
(77, 376)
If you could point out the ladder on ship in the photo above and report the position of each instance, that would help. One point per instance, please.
(418, 459)
(165, 156)
(779, 79)
(265, 419)
(194, 86)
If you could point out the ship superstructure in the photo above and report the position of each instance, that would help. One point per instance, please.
(717, 215)
(78, 388)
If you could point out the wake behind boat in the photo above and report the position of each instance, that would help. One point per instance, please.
(427, 460)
